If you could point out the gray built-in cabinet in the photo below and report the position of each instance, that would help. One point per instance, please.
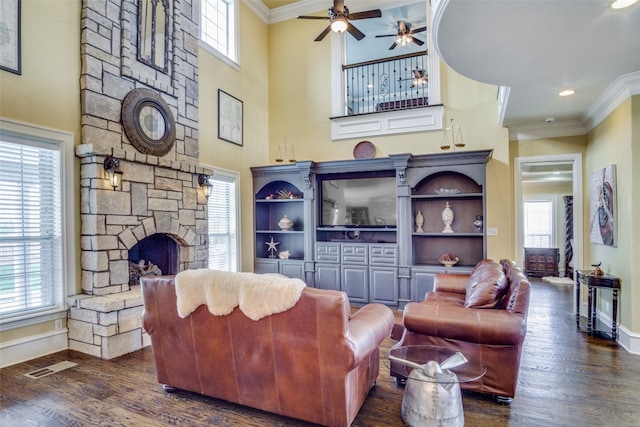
(354, 222)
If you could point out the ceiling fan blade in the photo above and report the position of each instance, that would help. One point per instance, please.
(359, 35)
(418, 30)
(376, 13)
(313, 17)
(323, 34)
(417, 41)
(393, 46)
(387, 35)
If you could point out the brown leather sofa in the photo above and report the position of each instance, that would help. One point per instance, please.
(315, 362)
(483, 315)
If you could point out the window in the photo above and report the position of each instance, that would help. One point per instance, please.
(32, 220)
(223, 221)
(539, 224)
(218, 26)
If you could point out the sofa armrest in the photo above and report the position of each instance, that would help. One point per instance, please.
(454, 283)
(482, 326)
(368, 327)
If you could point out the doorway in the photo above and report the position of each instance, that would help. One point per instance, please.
(551, 178)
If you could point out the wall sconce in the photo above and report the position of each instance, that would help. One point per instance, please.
(112, 168)
(207, 186)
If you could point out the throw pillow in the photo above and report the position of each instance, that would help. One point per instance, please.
(486, 286)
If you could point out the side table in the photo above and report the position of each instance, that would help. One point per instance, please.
(594, 283)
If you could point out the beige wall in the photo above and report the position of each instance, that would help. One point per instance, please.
(48, 91)
(615, 141)
(250, 84)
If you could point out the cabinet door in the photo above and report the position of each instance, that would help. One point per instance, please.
(383, 285)
(263, 266)
(355, 282)
(328, 276)
(293, 269)
(421, 283)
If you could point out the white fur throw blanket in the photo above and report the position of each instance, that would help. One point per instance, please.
(257, 295)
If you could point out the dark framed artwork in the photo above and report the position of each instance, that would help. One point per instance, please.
(10, 56)
(229, 118)
(603, 206)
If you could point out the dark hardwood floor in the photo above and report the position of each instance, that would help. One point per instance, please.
(566, 379)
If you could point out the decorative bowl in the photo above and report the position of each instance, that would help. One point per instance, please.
(448, 260)
(449, 263)
(445, 191)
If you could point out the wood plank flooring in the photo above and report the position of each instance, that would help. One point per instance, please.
(566, 379)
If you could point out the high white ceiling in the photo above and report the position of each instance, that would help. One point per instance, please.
(534, 48)
(538, 47)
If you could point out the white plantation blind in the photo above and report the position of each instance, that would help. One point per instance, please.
(538, 223)
(223, 227)
(30, 225)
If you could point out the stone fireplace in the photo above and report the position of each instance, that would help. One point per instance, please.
(158, 213)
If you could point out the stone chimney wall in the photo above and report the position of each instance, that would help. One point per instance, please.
(157, 194)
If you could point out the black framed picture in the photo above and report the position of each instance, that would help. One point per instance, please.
(10, 57)
(229, 118)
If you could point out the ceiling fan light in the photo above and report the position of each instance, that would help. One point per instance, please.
(339, 25)
(621, 4)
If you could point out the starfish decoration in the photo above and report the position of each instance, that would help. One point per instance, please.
(272, 247)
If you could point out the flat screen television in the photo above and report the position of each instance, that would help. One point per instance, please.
(366, 200)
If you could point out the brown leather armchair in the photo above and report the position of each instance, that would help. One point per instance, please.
(314, 362)
(483, 315)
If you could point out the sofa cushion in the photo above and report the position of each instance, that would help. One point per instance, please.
(486, 286)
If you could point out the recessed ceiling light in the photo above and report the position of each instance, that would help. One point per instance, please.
(567, 92)
(621, 4)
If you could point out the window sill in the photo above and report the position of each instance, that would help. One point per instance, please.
(420, 119)
(221, 56)
(32, 319)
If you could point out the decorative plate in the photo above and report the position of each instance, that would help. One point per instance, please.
(364, 150)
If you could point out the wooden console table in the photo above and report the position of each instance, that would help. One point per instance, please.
(594, 283)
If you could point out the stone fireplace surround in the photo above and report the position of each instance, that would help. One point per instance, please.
(158, 195)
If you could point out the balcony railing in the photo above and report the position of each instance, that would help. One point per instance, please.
(387, 84)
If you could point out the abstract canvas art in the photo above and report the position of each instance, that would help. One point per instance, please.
(602, 222)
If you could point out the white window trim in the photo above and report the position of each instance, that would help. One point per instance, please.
(68, 212)
(232, 176)
(235, 64)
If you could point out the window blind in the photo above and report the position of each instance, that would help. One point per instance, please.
(30, 226)
(223, 226)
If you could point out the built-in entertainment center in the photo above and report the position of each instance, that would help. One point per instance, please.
(378, 229)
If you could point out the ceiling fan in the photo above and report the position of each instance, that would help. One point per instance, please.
(339, 16)
(405, 35)
(419, 78)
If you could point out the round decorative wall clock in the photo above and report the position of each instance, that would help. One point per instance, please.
(148, 122)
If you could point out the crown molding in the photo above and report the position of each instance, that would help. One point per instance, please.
(623, 87)
(546, 130)
(306, 7)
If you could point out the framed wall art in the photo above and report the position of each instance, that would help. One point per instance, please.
(229, 118)
(603, 206)
(10, 58)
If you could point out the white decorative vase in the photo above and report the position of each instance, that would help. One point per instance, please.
(419, 222)
(285, 224)
(447, 218)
